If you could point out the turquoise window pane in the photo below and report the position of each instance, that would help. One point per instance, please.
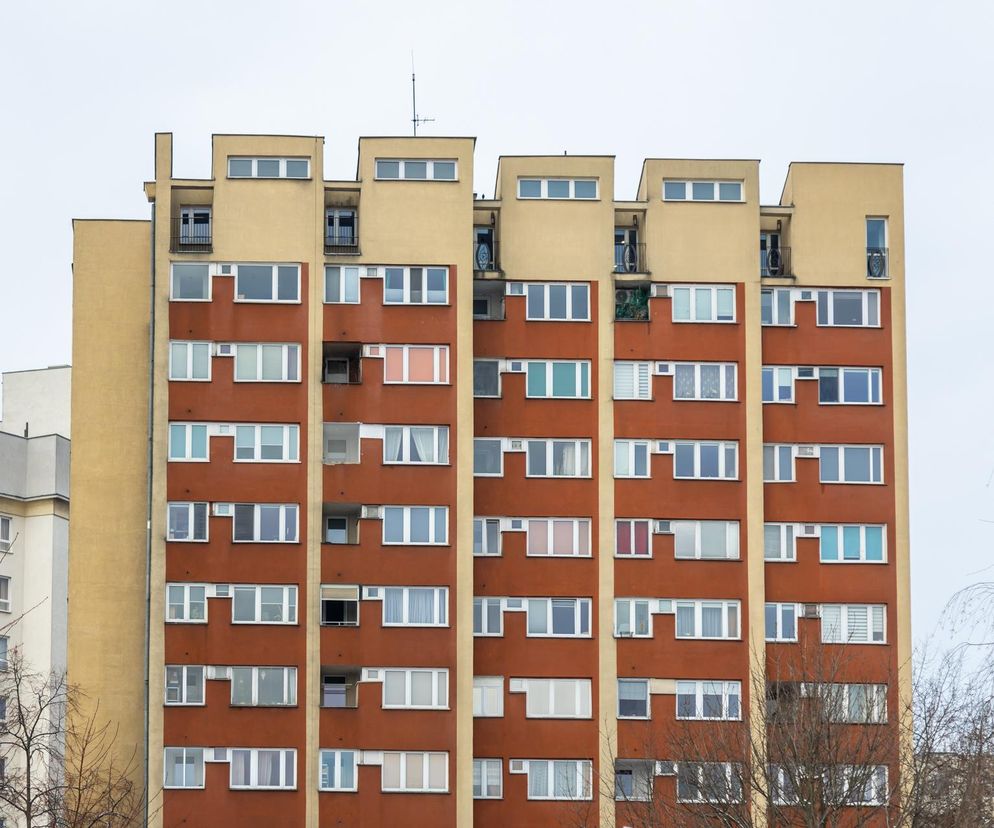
(198, 442)
(874, 543)
(850, 543)
(563, 379)
(702, 304)
(584, 380)
(681, 304)
(726, 304)
(536, 379)
(829, 543)
(177, 441)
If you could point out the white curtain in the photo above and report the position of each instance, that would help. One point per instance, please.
(538, 779)
(685, 621)
(268, 768)
(684, 381)
(240, 767)
(392, 441)
(564, 458)
(565, 779)
(393, 606)
(422, 606)
(423, 443)
(711, 382)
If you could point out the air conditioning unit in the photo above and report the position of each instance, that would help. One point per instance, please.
(225, 349)
(659, 291)
(662, 527)
(810, 611)
(371, 513)
(806, 451)
(624, 296)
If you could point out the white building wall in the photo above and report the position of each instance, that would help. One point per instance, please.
(37, 399)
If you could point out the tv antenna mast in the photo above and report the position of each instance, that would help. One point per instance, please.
(415, 120)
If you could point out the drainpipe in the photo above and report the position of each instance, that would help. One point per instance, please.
(148, 512)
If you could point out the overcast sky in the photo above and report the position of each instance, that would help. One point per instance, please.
(86, 84)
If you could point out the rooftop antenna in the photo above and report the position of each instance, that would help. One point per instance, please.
(415, 120)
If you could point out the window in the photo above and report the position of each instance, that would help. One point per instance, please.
(632, 538)
(633, 779)
(260, 768)
(488, 457)
(341, 285)
(338, 770)
(428, 689)
(849, 308)
(415, 525)
(778, 464)
(265, 523)
(487, 779)
(851, 464)
(778, 542)
(556, 698)
(184, 684)
(5, 534)
(339, 606)
(263, 686)
(558, 380)
(702, 190)
(184, 767)
(632, 618)
(188, 442)
(853, 624)
(487, 617)
(558, 458)
(633, 380)
(195, 225)
(565, 617)
(781, 622)
(707, 619)
(561, 301)
(876, 248)
(708, 700)
(415, 606)
(187, 522)
(853, 544)
(488, 696)
(186, 603)
(776, 306)
(631, 458)
(340, 229)
(633, 698)
(849, 386)
(416, 169)
(416, 445)
(778, 384)
(190, 283)
(581, 188)
(708, 782)
(190, 361)
(703, 304)
(562, 537)
(4, 593)
(267, 443)
(264, 605)
(416, 364)
(267, 363)
(706, 460)
(706, 539)
(267, 283)
(854, 703)
(704, 381)
(4, 645)
(268, 167)
(415, 772)
(486, 378)
(486, 537)
(559, 778)
(416, 286)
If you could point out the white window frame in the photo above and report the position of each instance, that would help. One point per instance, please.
(876, 459)
(628, 607)
(440, 607)
(488, 697)
(631, 537)
(578, 604)
(627, 452)
(581, 455)
(406, 287)
(827, 295)
(288, 609)
(548, 689)
(253, 784)
(6, 539)
(348, 277)
(875, 700)
(698, 607)
(876, 618)
(776, 309)
(581, 378)
(187, 602)
(482, 769)
(185, 670)
(406, 440)
(187, 455)
(725, 394)
(843, 370)
(641, 381)
(290, 443)
(783, 454)
(172, 282)
(191, 510)
(486, 603)
(338, 764)
(289, 687)
(496, 363)
(429, 169)
(787, 542)
(546, 287)
(439, 688)
(544, 188)
(433, 527)
(5, 595)
(581, 530)
(255, 159)
(693, 291)
(181, 369)
(782, 611)
(500, 455)
(644, 683)
(732, 531)
(194, 753)
(440, 356)
(729, 690)
(274, 283)
(582, 779)
(699, 767)
(485, 551)
(290, 355)
(188, 225)
(285, 525)
(715, 193)
(777, 373)
(723, 472)
(840, 543)
(425, 771)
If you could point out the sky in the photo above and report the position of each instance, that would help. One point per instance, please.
(83, 87)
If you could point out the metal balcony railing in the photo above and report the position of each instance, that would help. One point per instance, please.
(775, 261)
(877, 262)
(341, 244)
(630, 258)
(190, 238)
(485, 258)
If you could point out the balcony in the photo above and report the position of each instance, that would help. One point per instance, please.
(775, 262)
(191, 234)
(341, 244)
(339, 687)
(631, 304)
(877, 263)
(629, 257)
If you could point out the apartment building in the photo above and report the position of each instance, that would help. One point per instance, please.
(449, 505)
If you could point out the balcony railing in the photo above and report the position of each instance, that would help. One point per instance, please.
(775, 261)
(877, 262)
(341, 244)
(631, 304)
(630, 258)
(485, 257)
(190, 238)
